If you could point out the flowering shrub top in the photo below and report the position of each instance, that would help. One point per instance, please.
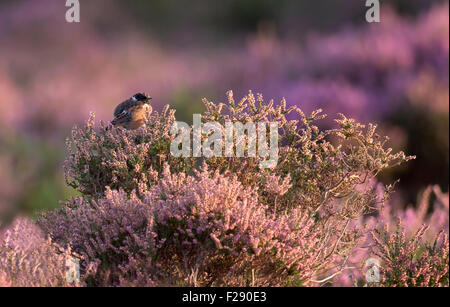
(323, 164)
(119, 158)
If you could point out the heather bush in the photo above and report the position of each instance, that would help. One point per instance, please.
(119, 158)
(431, 209)
(147, 218)
(342, 158)
(323, 165)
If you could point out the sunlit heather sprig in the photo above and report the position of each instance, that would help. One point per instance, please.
(27, 258)
(410, 261)
(278, 186)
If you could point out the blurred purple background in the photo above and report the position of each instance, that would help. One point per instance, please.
(316, 54)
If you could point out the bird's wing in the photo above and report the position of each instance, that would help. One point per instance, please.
(122, 114)
(127, 114)
(127, 104)
(119, 109)
(121, 118)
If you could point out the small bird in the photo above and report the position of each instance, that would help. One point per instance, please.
(130, 114)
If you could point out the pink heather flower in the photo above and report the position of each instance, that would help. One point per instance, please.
(277, 186)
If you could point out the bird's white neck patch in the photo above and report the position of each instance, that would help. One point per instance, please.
(133, 98)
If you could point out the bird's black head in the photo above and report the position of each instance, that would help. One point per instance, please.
(141, 97)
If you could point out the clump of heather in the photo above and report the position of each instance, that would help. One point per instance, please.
(28, 258)
(202, 230)
(109, 234)
(324, 164)
(431, 211)
(217, 233)
(412, 262)
(119, 158)
(147, 218)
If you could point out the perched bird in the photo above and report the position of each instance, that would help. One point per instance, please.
(130, 114)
